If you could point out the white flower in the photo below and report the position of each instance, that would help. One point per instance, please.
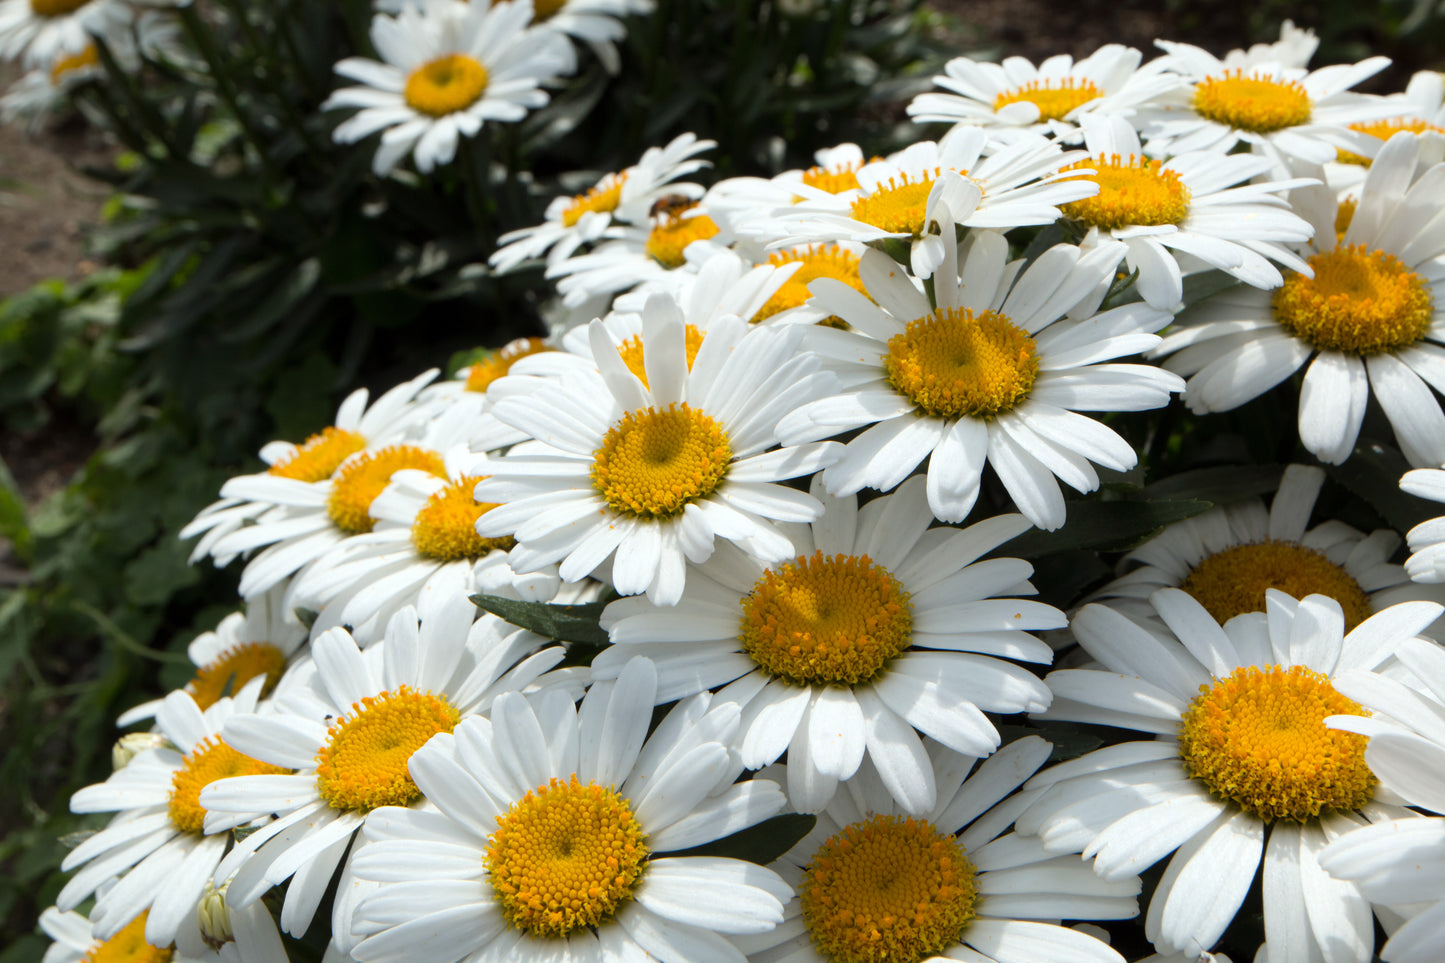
(1012, 406)
(76, 942)
(1241, 769)
(554, 831)
(447, 69)
(743, 205)
(597, 23)
(1427, 540)
(1370, 317)
(41, 33)
(875, 626)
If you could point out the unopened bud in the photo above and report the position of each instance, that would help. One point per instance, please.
(132, 744)
(214, 917)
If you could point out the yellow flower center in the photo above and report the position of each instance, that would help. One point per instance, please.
(1384, 130)
(826, 621)
(1358, 302)
(89, 57)
(1258, 739)
(955, 364)
(55, 8)
(899, 208)
(363, 764)
(1053, 102)
(1256, 104)
(317, 457)
(631, 352)
(497, 364)
(602, 198)
(364, 477)
(446, 85)
(834, 180)
(209, 761)
(129, 946)
(674, 232)
(1132, 191)
(446, 527)
(655, 462)
(566, 855)
(827, 261)
(228, 672)
(887, 890)
(1234, 581)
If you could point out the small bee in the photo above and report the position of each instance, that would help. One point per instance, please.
(670, 205)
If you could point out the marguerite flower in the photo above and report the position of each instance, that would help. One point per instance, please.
(1242, 767)
(552, 838)
(739, 203)
(42, 33)
(1427, 540)
(597, 23)
(76, 942)
(875, 626)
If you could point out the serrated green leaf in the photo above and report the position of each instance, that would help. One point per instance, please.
(1105, 526)
(761, 844)
(564, 623)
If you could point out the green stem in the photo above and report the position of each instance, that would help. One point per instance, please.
(151, 122)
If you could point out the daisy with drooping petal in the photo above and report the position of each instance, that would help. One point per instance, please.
(1242, 770)
(447, 68)
(991, 374)
(553, 836)
(1371, 318)
(875, 882)
(649, 471)
(876, 626)
(42, 33)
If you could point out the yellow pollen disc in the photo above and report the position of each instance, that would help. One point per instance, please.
(233, 668)
(1053, 102)
(887, 890)
(602, 198)
(826, 621)
(446, 85)
(55, 8)
(631, 352)
(955, 364)
(129, 946)
(654, 462)
(671, 236)
(899, 208)
(1258, 739)
(317, 457)
(496, 365)
(1358, 302)
(1132, 191)
(209, 761)
(834, 180)
(1384, 130)
(828, 261)
(565, 855)
(1234, 581)
(363, 764)
(89, 57)
(1344, 214)
(363, 478)
(1255, 104)
(446, 527)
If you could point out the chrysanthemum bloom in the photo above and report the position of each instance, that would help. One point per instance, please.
(1242, 767)
(742, 205)
(875, 882)
(447, 69)
(553, 836)
(648, 471)
(875, 626)
(156, 841)
(1399, 864)
(1195, 204)
(1011, 401)
(1371, 318)
(1427, 540)
(1227, 557)
(349, 735)
(41, 33)
(76, 942)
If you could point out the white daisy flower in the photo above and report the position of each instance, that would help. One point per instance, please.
(42, 33)
(76, 942)
(1241, 769)
(156, 841)
(1194, 204)
(554, 831)
(626, 197)
(649, 471)
(876, 882)
(876, 626)
(1370, 317)
(1294, 48)
(1230, 555)
(737, 204)
(1419, 110)
(1427, 540)
(349, 735)
(43, 92)
(1012, 404)
(447, 68)
(597, 23)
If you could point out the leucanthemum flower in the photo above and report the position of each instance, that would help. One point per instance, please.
(76, 942)
(738, 204)
(648, 471)
(554, 831)
(1419, 110)
(42, 33)
(876, 882)
(1012, 404)
(1242, 769)
(447, 68)
(1371, 318)
(875, 626)
(1426, 540)
(597, 23)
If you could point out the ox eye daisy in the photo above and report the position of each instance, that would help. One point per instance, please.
(40, 33)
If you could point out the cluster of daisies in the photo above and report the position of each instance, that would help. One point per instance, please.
(754, 445)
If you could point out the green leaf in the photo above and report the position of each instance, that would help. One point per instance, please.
(1206, 284)
(158, 573)
(761, 844)
(564, 623)
(14, 523)
(1229, 483)
(1105, 526)
(1373, 473)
